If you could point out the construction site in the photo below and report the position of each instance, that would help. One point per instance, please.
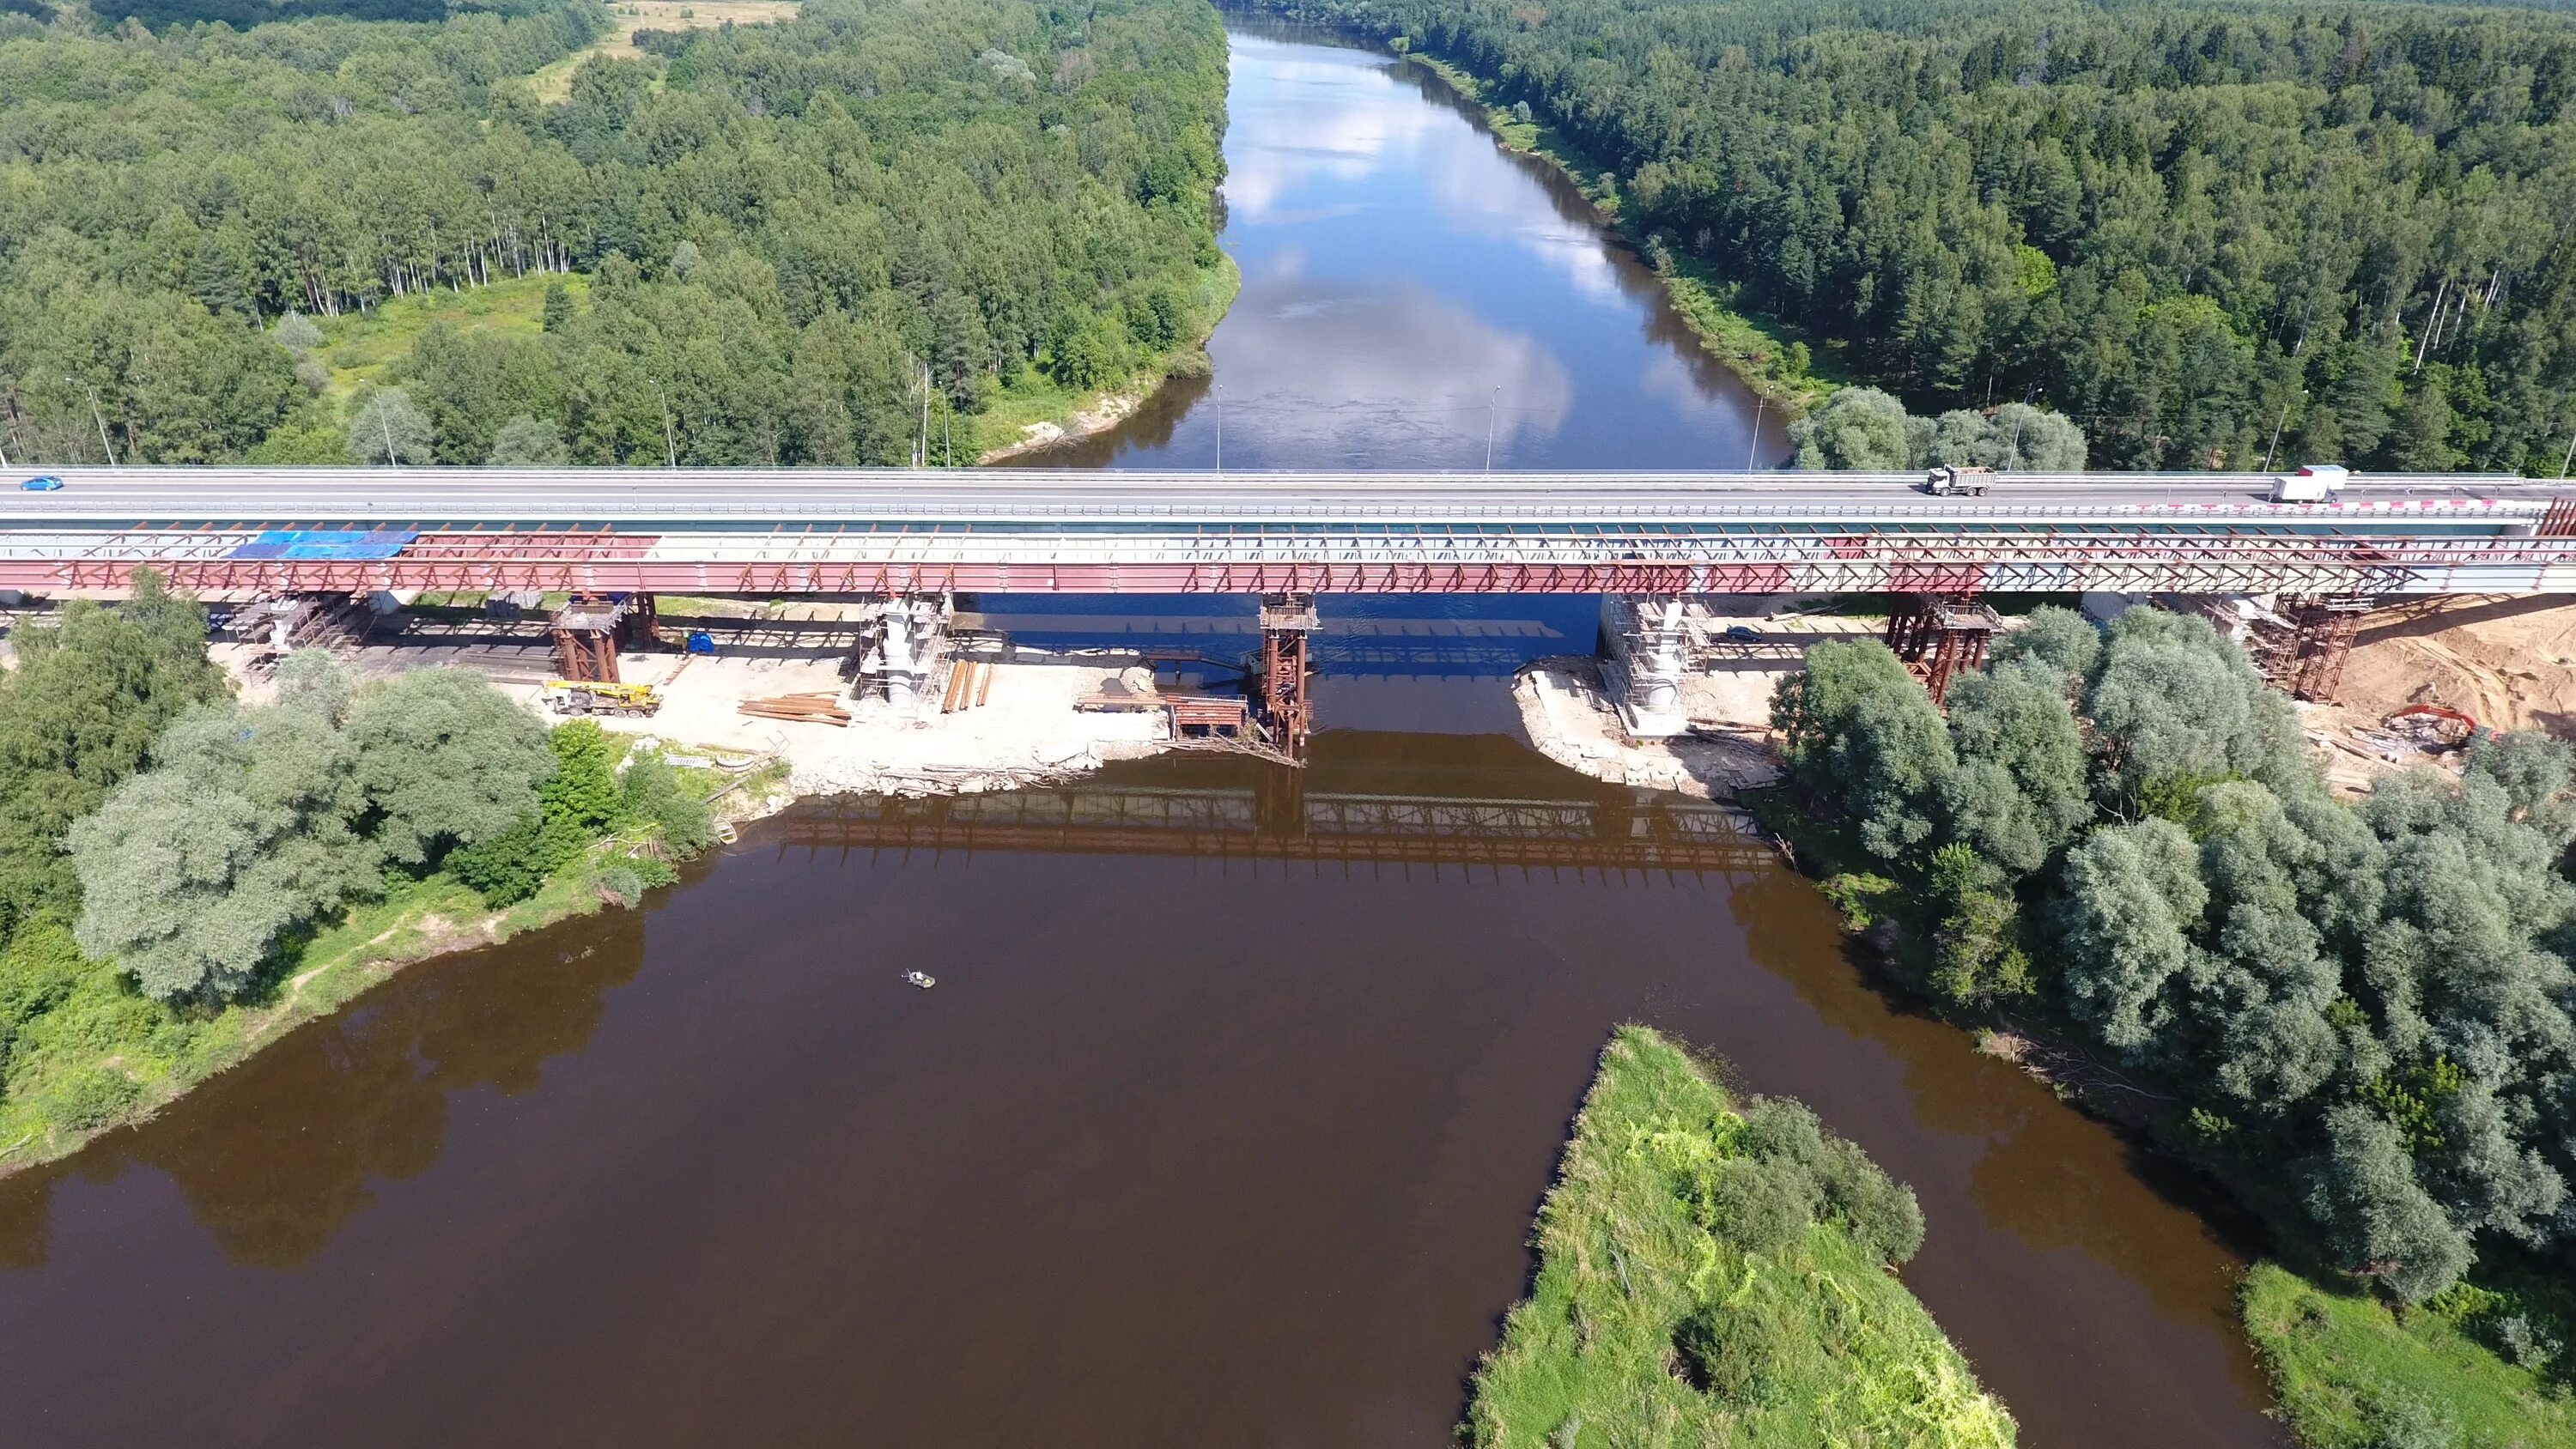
(2378, 687)
(905, 695)
(912, 694)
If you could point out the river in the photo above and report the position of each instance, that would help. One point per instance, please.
(1413, 292)
(1227, 1118)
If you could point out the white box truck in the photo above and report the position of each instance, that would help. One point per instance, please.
(2314, 483)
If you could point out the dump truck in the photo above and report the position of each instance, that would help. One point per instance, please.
(575, 696)
(2312, 484)
(1949, 480)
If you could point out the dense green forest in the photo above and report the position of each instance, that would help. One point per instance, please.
(2189, 227)
(2362, 1017)
(783, 227)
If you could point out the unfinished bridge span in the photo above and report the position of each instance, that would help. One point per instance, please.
(1644, 540)
(773, 532)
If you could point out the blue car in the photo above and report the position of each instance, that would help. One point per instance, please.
(42, 483)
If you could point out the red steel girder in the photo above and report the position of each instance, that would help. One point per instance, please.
(834, 562)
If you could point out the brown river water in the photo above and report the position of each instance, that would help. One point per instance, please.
(1227, 1118)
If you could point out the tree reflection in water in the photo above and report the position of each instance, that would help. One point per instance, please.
(275, 1157)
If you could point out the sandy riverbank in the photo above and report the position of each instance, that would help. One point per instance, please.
(1024, 730)
(1570, 719)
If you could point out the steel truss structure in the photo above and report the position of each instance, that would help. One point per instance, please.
(2320, 642)
(1287, 709)
(1674, 562)
(896, 532)
(1937, 637)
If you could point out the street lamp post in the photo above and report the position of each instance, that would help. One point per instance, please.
(1220, 427)
(97, 417)
(2277, 424)
(1753, 445)
(1492, 406)
(670, 440)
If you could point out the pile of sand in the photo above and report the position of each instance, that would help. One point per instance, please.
(2508, 662)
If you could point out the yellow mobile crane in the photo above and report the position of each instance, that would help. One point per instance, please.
(569, 696)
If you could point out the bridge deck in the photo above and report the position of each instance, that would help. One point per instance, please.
(859, 531)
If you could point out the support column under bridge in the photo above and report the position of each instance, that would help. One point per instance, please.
(903, 642)
(1939, 635)
(1642, 661)
(1287, 671)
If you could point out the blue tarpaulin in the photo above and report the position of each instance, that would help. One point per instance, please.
(325, 543)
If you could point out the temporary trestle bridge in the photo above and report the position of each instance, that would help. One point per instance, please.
(1645, 538)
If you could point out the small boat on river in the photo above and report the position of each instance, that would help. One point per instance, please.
(921, 979)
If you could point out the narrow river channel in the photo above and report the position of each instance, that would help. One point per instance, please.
(1228, 1116)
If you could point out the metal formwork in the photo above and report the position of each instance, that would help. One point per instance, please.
(585, 634)
(1679, 561)
(2320, 643)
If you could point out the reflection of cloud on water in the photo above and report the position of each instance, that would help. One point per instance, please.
(1350, 119)
(1665, 377)
(1402, 378)
(1578, 255)
(1477, 196)
(1315, 214)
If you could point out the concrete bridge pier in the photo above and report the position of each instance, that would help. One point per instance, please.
(1643, 662)
(903, 639)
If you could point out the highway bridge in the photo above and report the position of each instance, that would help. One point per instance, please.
(871, 531)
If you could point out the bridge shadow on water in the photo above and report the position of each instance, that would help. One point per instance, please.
(1367, 800)
(1229, 1113)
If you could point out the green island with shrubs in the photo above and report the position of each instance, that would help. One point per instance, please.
(2356, 1017)
(1716, 1271)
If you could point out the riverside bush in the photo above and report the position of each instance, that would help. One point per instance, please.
(2374, 1000)
(300, 840)
(1697, 1283)
(254, 822)
(2364, 1015)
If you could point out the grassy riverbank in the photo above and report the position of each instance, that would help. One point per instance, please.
(2352, 1371)
(1767, 356)
(83, 1052)
(1715, 1271)
(1019, 417)
(2354, 1374)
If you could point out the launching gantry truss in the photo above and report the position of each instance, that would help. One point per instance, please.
(843, 559)
(904, 532)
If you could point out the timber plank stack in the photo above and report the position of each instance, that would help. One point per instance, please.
(822, 706)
